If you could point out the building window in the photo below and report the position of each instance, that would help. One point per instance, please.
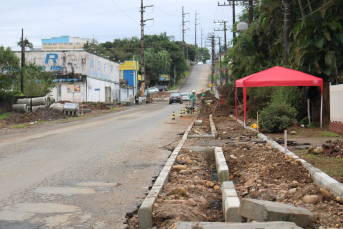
(70, 43)
(65, 43)
(77, 43)
(54, 44)
(49, 43)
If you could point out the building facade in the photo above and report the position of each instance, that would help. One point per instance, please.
(64, 42)
(80, 76)
(129, 71)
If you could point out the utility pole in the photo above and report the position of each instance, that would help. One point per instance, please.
(183, 30)
(22, 62)
(213, 53)
(142, 45)
(225, 47)
(195, 44)
(233, 13)
(220, 61)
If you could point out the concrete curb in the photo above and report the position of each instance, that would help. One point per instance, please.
(320, 178)
(213, 127)
(253, 225)
(222, 168)
(202, 136)
(230, 202)
(145, 210)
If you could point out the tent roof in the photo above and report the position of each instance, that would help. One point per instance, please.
(279, 76)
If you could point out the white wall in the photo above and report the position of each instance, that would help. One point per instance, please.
(336, 103)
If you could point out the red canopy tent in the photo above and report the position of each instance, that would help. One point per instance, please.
(278, 76)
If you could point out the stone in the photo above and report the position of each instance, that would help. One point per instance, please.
(232, 156)
(203, 201)
(339, 199)
(191, 202)
(293, 132)
(183, 172)
(311, 199)
(216, 187)
(209, 184)
(188, 160)
(177, 191)
(179, 167)
(292, 191)
(263, 211)
(325, 193)
(318, 150)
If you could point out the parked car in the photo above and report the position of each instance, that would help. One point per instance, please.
(152, 90)
(185, 96)
(175, 98)
(162, 88)
(200, 62)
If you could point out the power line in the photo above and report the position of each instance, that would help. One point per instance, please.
(124, 12)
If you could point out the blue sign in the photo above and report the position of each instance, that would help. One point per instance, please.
(97, 89)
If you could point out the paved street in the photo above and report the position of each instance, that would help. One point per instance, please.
(88, 174)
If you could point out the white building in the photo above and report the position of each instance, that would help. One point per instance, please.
(80, 76)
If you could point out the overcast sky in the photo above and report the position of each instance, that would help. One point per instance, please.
(106, 20)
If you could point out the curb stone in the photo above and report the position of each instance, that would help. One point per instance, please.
(320, 178)
(145, 210)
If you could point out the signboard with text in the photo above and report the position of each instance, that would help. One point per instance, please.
(164, 77)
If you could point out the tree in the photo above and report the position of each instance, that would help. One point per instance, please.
(36, 81)
(9, 66)
(27, 43)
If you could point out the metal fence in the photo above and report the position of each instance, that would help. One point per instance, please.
(336, 103)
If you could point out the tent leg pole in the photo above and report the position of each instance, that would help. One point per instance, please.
(308, 112)
(321, 111)
(245, 105)
(236, 104)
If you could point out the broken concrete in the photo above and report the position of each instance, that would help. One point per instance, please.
(263, 211)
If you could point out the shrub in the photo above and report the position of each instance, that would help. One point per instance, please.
(277, 117)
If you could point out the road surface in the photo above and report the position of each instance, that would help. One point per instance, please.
(90, 173)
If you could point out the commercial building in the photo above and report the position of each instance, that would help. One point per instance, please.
(129, 71)
(64, 42)
(80, 76)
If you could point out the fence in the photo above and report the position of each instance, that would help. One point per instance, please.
(336, 103)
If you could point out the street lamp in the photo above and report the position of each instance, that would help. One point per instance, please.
(242, 26)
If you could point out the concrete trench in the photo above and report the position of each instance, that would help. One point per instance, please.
(230, 200)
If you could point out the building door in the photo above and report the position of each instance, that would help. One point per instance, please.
(108, 95)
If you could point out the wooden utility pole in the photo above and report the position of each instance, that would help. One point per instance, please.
(22, 62)
(225, 47)
(195, 43)
(142, 46)
(183, 30)
(212, 61)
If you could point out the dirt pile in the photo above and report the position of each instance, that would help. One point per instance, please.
(42, 114)
(329, 148)
(99, 106)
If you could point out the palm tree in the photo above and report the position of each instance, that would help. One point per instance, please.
(27, 43)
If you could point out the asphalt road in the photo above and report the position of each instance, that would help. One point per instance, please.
(89, 174)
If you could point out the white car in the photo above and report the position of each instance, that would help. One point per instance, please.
(185, 96)
(200, 62)
(152, 90)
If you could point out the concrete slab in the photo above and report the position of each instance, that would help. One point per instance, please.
(219, 225)
(263, 211)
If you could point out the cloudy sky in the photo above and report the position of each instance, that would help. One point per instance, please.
(106, 20)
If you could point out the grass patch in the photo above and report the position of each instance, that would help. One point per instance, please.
(116, 108)
(4, 115)
(330, 165)
(21, 125)
(327, 134)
